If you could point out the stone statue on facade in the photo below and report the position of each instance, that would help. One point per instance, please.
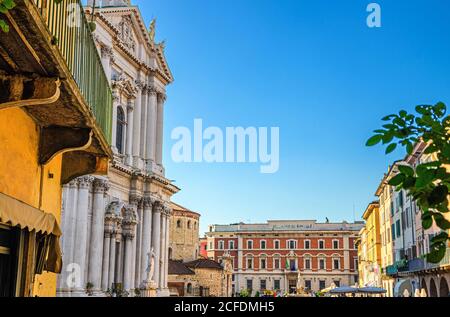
(151, 265)
(152, 31)
(148, 288)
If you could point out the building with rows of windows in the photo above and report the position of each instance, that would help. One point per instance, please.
(287, 255)
(394, 244)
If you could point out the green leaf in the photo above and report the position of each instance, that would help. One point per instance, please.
(437, 253)
(397, 179)
(438, 195)
(374, 140)
(4, 26)
(391, 148)
(425, 179)
(387, 138)
(442, 237)
(405, 169)
(440, 109)
(427, 220)
(441, 222)
(409, 148)
(409, 182)
(422, 110)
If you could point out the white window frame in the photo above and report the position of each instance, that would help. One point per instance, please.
(231, 244)
(338, 244)
(279, 263)
(308, 258)
(318, 245)
(304, 244)
(324, 259)
(261, 243)
(246, 262)
(275, 242)
(248, 244)
(289, 244)
(221, 245)
(339, 263)
(260, 263)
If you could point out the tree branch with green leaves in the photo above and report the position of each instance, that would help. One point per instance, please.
(428, 184)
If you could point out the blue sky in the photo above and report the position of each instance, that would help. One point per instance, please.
(312, 68)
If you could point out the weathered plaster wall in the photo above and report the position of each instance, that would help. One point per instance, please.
(20, 175)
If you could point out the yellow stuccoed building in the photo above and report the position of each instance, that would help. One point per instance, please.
(369, 248)
(51, 132)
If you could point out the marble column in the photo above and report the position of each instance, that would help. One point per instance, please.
(68, 228)
(119, 259)
(156, 240)
(163, 248)
(129, 234)
(143, 131)
(137, 162)
(138, 280)
(150, 155)
(81, 234)
(130, 134)
(109, 235)
(112, 258)
(160, 129)
(166, 271)
(100, 186)
(146, 235)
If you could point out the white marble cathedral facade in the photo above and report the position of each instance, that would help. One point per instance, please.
(112, 223)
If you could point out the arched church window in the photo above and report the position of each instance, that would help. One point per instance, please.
(189, 224)
(178, 223)
(120, 129)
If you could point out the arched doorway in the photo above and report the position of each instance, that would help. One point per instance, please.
(433, 289)
(443, 288)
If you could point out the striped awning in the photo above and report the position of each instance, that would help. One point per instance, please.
(19, 214)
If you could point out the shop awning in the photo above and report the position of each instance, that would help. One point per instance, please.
(19, 214)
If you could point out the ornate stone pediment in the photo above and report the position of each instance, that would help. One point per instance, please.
(126, 34)
(124, 85)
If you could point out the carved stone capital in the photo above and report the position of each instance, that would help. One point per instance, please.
(106, 51)
(139, 84)
(100, 186)
(149, 202)
(85, 182)
(136, 200)
(159, 207)
(162, 97)
(152, 90)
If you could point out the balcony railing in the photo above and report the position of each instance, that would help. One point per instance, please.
(72, 35)
(444, 262)
(417, 264)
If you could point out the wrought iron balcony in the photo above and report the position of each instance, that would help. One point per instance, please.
(71, 33)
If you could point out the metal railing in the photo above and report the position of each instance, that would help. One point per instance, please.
(444, 262)
(72, 34)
